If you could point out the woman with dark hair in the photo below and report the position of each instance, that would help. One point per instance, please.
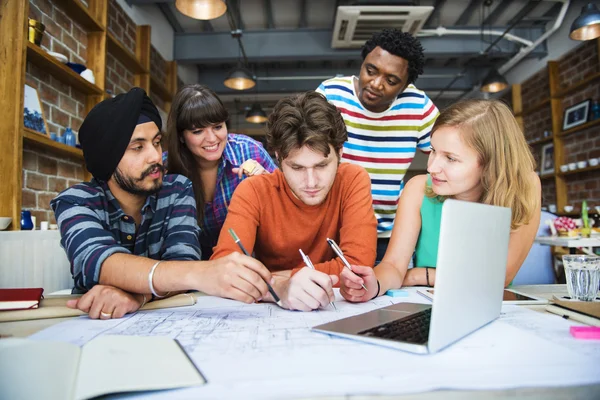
(200, 148)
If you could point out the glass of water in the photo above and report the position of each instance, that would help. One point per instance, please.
(582, 272)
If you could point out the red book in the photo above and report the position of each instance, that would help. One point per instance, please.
(19, 299)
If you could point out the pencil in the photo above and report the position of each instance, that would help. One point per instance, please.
(310, 265)
(237, 240)
(336, 249)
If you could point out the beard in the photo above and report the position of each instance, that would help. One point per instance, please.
(131, 184)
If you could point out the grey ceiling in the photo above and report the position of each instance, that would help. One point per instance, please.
(288, 44)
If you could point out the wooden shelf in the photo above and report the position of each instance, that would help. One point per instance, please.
(124, 55)
(160, 89)
(534, 108)
(80, 15)
(580, 170)
(540, 141)
(60, 71)
(547, 176)
(44, 141)
(580, 127)
(579, 85)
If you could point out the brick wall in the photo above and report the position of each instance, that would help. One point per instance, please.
(535, 89)
(121, 26)
(118, 78)
(579, 64)
(45, 174)
(575, 66)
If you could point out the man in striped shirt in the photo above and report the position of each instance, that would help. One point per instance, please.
(131, 233)
(387, 118)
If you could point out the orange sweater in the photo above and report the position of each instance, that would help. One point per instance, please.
(273, 223)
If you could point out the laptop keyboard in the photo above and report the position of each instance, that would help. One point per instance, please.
(412, 329)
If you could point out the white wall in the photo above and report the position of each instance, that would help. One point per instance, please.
(162, 35)
(558, 45)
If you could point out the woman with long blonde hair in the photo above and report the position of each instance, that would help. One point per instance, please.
(478, 154)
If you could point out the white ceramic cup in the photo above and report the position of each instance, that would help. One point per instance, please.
(564, 168)
(581, 164)
(572, 166)
(88, 75)
(552, 208)
(593, 162)
(568, 208)
(44, 225)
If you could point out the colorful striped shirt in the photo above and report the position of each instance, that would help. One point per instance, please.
(238, 149)
(383, 143)
(93, 227)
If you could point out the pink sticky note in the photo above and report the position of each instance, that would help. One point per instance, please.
(586, 332)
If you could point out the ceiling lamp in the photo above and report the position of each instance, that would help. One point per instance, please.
(587, 25)
(494, 82)
(240, 79)
(256, 115)
(201, 9)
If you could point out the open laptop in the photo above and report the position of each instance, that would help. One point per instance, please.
(469, 283)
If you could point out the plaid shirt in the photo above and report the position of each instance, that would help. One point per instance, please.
(93, 227)
(238, 149)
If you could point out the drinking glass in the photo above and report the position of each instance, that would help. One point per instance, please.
(582, 273)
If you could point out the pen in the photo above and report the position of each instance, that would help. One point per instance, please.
(310, 265)
(339, 253)
(237, 240)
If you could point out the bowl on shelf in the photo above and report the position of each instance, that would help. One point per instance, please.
(78, 68)
(593, 162)
(581, 164)
(5, 222)
(564, 168)
(572, 166)
(568, 208)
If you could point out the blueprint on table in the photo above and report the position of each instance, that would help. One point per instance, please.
(262, 351)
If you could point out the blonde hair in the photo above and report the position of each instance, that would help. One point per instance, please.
(489, 127)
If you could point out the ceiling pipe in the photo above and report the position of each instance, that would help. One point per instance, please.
(441, 31)
(524, 51)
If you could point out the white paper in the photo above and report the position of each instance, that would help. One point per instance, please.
(262, 351)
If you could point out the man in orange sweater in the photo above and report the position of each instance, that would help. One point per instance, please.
(309, 199)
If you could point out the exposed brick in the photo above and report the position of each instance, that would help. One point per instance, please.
(67, 104)
(30, 161)
(66, 170)
(45, 6)
(79, 172)
(36, 181)
(72, 182)
(59, 117)
(40, 215)
(35, 13)
(62, 20)
(47, 166)
(70, 42)
(44, 200)
(52, 27)
(56, 184)
(29, 199)
(76, 124)
(48, 94)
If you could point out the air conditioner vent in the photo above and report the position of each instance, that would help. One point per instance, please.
(355, 24)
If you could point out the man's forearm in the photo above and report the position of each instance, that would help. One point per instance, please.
(130, 273)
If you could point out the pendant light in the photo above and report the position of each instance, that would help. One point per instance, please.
(256, 115)
(587, 25)
(494, 82)
(240, 78)
(201, 9)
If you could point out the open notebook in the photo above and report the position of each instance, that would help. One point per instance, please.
(108, 364)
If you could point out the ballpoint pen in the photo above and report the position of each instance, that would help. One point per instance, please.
(237, 240)
(339, 253)
(310, 265)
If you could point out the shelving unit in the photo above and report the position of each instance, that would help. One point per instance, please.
(60, 71)
(555, 103)
(16, 51)
(49, 144)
